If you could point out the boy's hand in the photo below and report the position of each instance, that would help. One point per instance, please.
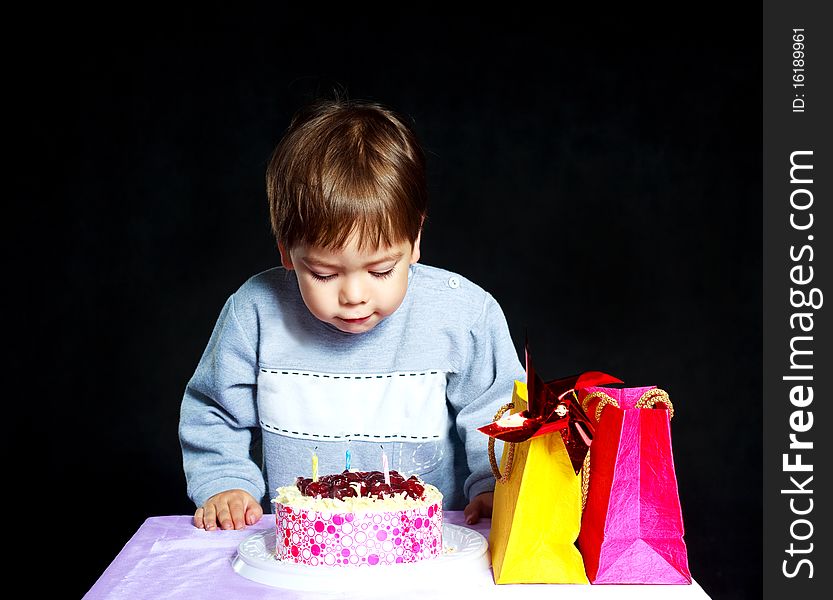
(480, 506)
(232, 509)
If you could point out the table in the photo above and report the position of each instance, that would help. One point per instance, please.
(170, 558)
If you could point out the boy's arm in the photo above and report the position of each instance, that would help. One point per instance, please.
(482, 386)
(218, 413)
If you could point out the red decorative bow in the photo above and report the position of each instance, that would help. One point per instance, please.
(552, 406)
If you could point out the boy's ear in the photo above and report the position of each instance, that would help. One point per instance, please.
(415, 250)
(286, 259)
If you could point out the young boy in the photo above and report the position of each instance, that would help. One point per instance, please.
(351, 345)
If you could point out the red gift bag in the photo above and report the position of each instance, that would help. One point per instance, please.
(632, 525)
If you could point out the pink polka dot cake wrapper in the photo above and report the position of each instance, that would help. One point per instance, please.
(322, 538)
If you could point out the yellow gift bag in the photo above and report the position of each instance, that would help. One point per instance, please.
(537, 510)
(536, 515)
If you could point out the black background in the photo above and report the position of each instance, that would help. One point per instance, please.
(603, 183)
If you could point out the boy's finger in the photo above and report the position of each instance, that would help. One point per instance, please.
(471, 513)
(209, 517)
(224, 517)
(253, 514)
(237, 514)
(198, 522)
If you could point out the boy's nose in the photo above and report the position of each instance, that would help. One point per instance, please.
(352, 292)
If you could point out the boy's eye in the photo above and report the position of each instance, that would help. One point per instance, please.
(382, 274)
(318, 277)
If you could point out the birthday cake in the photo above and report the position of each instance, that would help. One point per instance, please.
(356, 518)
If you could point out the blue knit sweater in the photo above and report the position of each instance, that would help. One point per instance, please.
(418, 385)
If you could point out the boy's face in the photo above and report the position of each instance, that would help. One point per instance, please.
(350, 289)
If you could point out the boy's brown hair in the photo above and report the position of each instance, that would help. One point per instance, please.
(344, 167)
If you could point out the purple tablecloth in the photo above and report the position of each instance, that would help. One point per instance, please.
(170, 558)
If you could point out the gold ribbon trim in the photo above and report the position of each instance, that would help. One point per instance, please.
(653, 397)
(648, 400)
(605, 400)
(510, 453)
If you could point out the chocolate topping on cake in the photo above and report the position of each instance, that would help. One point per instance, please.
(369, 484)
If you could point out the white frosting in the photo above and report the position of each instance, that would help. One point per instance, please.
(291, 496)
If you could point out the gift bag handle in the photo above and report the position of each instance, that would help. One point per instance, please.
(604, 400)
(653, 397)
(648, 400)
(510, 453)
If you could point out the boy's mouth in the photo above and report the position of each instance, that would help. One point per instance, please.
(356, 321)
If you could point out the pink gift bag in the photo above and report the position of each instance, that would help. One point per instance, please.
(632, 525)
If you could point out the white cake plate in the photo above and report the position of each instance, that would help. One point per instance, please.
(463, 549)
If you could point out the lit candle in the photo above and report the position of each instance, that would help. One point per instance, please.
(385, 465)
(315, 465)
(347, 460)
